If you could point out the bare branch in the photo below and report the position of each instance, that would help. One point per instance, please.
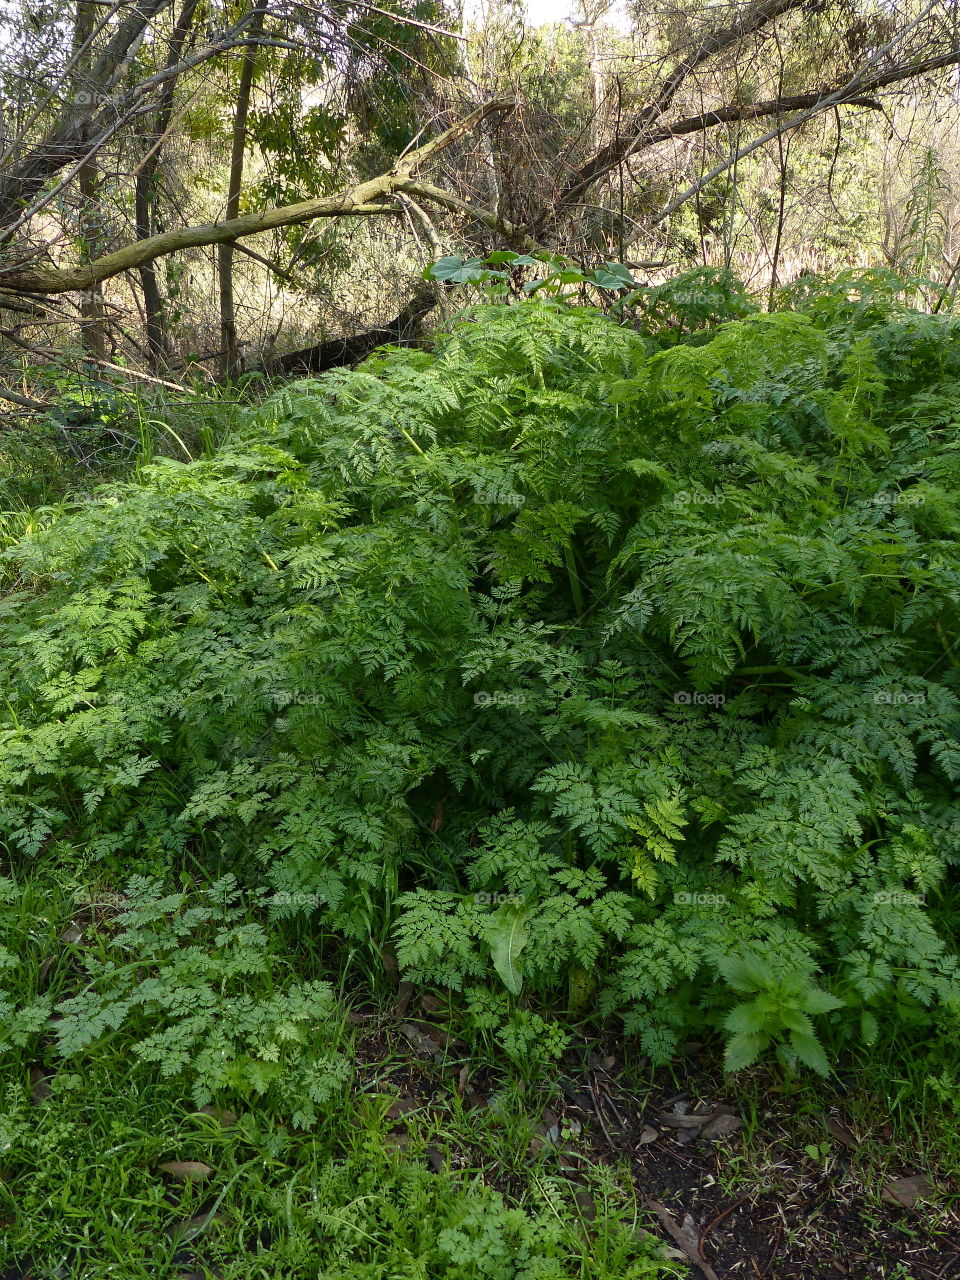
(751, 20)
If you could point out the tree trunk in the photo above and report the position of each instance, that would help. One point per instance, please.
(93, 334)
(364, 199)
(67, 140)
(145, 196)
(231, 364)
(403, 330)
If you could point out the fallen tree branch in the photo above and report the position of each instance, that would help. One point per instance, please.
(364, 199)
(403, 329)
(839, 97)
(751, 20)
(645, 129)
(489, 219)
(23, 401)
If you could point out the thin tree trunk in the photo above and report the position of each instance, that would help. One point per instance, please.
(93, 336)
(145, 196)
(231, 363)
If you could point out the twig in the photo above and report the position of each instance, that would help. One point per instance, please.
(683, 1236)
(597, 1108)
(773, 1252)
(719, 1218)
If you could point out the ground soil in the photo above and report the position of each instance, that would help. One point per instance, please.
(756, 1207)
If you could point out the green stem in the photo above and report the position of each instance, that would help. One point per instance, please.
(574, 579)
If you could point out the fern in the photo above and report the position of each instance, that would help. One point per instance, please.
(567, 648)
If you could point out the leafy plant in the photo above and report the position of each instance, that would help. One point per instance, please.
(190, 983)
(588, 664)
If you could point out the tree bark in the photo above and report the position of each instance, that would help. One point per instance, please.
(145, 196)
(93, 336)
(231, 364)
(750, 20)
(403, 330)
(67, 140)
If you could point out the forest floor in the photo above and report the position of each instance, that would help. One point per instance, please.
(755, 1181)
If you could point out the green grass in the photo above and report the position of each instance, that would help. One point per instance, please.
(82, 1190)
(82, 1142)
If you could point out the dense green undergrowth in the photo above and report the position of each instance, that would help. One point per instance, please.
(594, 669)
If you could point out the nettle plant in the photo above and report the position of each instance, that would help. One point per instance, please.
(589, 664)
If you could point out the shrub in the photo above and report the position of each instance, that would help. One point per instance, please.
(596, 668)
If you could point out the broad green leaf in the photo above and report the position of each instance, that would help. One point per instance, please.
(507, 936)
(743, 1050)
(810, 1051)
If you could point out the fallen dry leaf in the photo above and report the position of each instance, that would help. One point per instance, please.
(721, 1126)
(402, 1002)
(586, 1205)
(40, 1083)
(674, 1121)
(838, 1130)
(187, 1170)
(401, 1107)
(190, 1228)
(419, 1041)
(905, 1192)
(685, 1234)
(222, 1115)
